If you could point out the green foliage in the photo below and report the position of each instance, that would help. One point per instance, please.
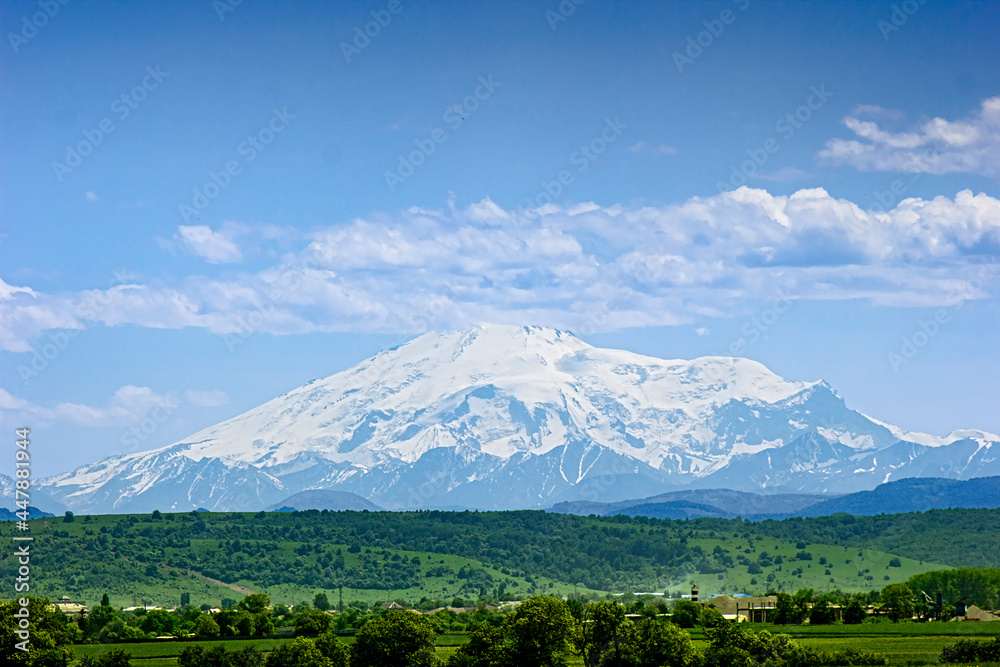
(538, 632)
(898, 601)
(600, 632)
(334, 649)
(206, 626)
(398, 638)
(686, 614)
(821, 614)
(970, 650)
(654, 643)
(68, 517)
(114, 658)
(485, 648)
(787, 611)
(978, 586)
(50, 631)
(854, 613)
(256, 603)
(301, 653)
(321, 602)
(311, 622)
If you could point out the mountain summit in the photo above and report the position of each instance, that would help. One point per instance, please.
(503, 417)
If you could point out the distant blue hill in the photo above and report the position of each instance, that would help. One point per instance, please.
(319, 499)
(917, 494)
(33, 513)
(905, 495)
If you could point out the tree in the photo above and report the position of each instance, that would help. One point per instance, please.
(485, 648)
(256, 603)
(68, 517)
(897, 600)
(300, 653)
(821, 614)
(50, 632)
(786, 611)
(321, 602)
(686, 614)
(538, 632)
(599, 631)
(398, 638)
(711, 617)
(656, 643)
(334, 649)
(105, 600)
(206, 626)
(855, 613)
(114, 658)
(311, 622)
(185, 599)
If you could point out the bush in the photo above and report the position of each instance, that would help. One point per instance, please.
(971, 650)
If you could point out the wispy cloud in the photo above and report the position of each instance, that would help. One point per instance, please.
(937, 146)
(215, 247)
(91, 196)
(589, 265)
(128, 405)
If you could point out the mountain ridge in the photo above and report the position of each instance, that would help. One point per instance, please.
(502, 417)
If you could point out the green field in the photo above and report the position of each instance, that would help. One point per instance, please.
(903, 643)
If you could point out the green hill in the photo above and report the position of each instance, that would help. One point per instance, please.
(383, 555)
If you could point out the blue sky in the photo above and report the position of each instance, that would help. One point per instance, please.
(205, 205)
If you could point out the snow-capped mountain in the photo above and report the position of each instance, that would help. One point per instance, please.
(509, 417)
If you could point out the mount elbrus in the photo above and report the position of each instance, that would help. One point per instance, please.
(503, 417)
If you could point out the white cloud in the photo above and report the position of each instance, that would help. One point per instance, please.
(215, 247)
(91, 196)
(937, 146)
(581, 268)
(129, 405)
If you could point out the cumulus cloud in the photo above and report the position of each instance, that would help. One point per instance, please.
(216, 247)
(584, 268)
(937, 146)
